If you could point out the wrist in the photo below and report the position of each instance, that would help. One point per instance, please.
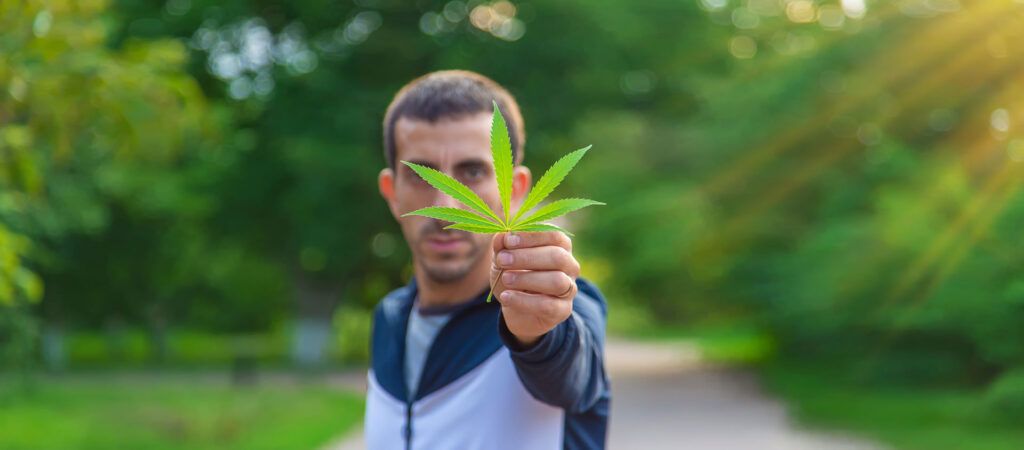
(526, 342)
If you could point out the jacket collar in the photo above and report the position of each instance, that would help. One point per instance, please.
(465, 341)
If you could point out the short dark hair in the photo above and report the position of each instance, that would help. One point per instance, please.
(452, 94)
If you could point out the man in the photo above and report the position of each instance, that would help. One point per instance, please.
(449, 370)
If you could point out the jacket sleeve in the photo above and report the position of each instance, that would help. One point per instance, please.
(565, 368)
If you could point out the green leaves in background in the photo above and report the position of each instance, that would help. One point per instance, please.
(481, 219)
(16, 281)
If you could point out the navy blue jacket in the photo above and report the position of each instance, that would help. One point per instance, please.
(479, 390)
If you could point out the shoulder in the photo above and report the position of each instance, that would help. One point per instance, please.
(390, 318)
(394, 306)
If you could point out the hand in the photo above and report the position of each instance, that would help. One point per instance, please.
(538, 281)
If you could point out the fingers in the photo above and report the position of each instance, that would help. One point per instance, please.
(526, 239)
(553, 283)
(538, 305)
(538, 258)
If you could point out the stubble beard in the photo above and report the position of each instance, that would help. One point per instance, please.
(448, 269)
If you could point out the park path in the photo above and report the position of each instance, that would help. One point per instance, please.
(665, 397)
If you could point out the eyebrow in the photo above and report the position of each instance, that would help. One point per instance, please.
(473, 162)
(466, 163)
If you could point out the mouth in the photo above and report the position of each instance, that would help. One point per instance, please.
(445, 243)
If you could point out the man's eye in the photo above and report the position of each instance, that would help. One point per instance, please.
(474, 173)
(415, 177)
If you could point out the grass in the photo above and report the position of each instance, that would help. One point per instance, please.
(905, 418)
(172, 413)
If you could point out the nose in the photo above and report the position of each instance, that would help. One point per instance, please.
(444, 200)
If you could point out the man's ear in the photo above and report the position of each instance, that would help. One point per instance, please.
(386, 185)
(521, 179)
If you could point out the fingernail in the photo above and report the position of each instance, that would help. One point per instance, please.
(511, 240)
(504, 258)
(508, 278)
(506, 295)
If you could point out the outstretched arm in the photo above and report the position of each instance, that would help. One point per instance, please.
(552, 322)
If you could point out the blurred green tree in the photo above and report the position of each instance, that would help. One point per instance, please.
(85, 127)
(849, 179)
(310, 81)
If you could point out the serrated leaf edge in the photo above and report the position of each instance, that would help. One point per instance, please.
(544, 227)
(453, 215)
(555, 209)
(447, 185)
(501, 153)
(550, 180)
(474, 228)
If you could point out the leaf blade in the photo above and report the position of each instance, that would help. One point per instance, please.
(550, 180)
(543, 227)
(557, 208)
(474, 228)
(453, 215)
(501, 152)
(456, 190)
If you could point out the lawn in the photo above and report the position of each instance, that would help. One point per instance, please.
(167, 412)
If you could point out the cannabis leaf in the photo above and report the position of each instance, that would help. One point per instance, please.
(479, 218)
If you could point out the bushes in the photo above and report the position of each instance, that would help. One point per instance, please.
(194, 348)
(19, 333)
(19, 287)
(191, 348)
(353, 327)
(1005, 397)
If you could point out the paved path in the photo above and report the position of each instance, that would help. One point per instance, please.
(664, 397)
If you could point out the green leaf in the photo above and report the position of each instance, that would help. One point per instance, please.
(551, 179)
(557, 208)
(453, 215)
(475, 228)
(501, 151)
(541, 227)
(456, 190)
(29, 283)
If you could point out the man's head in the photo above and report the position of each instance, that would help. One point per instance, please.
(443, 120)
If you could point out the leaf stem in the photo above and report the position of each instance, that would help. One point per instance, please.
(499, 277)
(496, 279)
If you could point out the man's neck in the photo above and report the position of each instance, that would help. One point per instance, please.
(434, 294)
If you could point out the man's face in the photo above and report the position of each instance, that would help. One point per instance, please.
(459, 147)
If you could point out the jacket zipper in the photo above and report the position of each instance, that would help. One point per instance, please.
(407, 431)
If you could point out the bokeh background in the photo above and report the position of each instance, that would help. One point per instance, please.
(825, 193)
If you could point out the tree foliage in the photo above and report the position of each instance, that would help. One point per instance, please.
(849, 180)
